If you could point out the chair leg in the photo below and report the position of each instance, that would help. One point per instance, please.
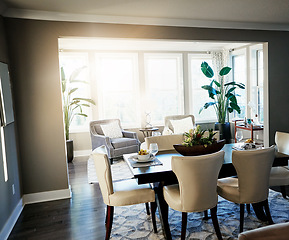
(109, 217)
(215, 222)
(248, 207)
(111, 161)
(153, 210)
(283, 191)
(241, 217)
(147, 208)
(184, 225)
(206, 217)
(267, 211)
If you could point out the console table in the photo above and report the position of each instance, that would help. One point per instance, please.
(249, 127)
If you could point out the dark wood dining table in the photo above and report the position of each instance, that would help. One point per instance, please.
(161, 175)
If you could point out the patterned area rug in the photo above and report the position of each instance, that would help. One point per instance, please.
(119, 169)
(131, 222)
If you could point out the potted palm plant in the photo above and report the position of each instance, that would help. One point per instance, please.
(72, 105)
(223, 97)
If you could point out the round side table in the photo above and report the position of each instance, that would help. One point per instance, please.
(147, 132)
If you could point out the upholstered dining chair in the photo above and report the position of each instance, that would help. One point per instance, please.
(196, 190)
(165, 142)
(176, 124)
(121, 193)
(108, 132)
(252, 185)
(280, 175)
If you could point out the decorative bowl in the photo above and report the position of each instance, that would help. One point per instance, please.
(144, 157)
(199, 149)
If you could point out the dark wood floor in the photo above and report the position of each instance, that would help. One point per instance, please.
(81, 217)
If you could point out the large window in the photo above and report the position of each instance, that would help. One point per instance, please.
(198, 96)
(118, 88)
(239, 75)
(164, 86)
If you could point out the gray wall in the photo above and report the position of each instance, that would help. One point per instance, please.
(8, 201)
(34, 60)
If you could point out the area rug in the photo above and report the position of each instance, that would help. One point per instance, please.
(119, 168)
(132, 222)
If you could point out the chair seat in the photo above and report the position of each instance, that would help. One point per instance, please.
(128, 192)
(279, 176)
(172, 196)
(228, 189)
(123, 142)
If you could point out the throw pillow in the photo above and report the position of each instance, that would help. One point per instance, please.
(112, 130)
(182, 125)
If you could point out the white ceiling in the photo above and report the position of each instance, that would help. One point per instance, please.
(252, 14)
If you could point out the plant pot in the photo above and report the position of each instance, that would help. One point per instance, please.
(69, 150)
(199, 149)
(225, 131)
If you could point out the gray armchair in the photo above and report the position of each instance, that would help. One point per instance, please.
(116, 147)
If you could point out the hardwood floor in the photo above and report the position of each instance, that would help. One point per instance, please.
(81, 217)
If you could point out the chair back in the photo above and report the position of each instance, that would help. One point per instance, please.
(197, 177)
(168, 119)
(282, 142)
(103, 172)
(165, 142)
(95, 126)
(253, 169)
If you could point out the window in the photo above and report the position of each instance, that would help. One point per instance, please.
(71, 62)
(118, 88)
(199, 96)
(239, 75)
(164, 86)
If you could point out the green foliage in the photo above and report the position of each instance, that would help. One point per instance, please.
(72, 106)
(196, 137)
(223, 94)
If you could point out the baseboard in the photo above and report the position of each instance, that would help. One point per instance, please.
(82, 153)
(5, 232)
(46, 196)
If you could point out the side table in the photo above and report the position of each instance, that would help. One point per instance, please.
(148, 132)
(246, 126)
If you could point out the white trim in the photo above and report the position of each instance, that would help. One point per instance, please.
(82, 153)
(6, 230)
(47, 196)
(60, 16)
(266, 95)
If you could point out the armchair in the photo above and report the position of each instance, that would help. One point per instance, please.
(116, 147)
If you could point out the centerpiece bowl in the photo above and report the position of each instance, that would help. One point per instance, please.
(199, 149)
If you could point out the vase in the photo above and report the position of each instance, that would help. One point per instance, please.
(69, 149)
(224, 130)
(199, 149)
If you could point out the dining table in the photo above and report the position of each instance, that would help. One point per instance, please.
(159, 173)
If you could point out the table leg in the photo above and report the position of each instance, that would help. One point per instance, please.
(163, 210)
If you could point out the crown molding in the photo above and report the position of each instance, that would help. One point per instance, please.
(60, 16)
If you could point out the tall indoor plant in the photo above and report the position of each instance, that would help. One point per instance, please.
(72, 106)
(223, 95)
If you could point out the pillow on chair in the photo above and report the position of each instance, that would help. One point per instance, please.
(112, 130)
(182, 125)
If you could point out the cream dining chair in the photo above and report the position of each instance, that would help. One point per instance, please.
(252, 185)
(196, 190)
(280, 175)
(121, 193)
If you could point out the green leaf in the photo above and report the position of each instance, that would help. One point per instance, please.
(235, 107)
(240, 85)
(230, 110)
(217, 83)
(72, 91)
(81, 114)
(207, 70)
(230, 90)
(85, 99)
(224, 71)
(208, 104)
